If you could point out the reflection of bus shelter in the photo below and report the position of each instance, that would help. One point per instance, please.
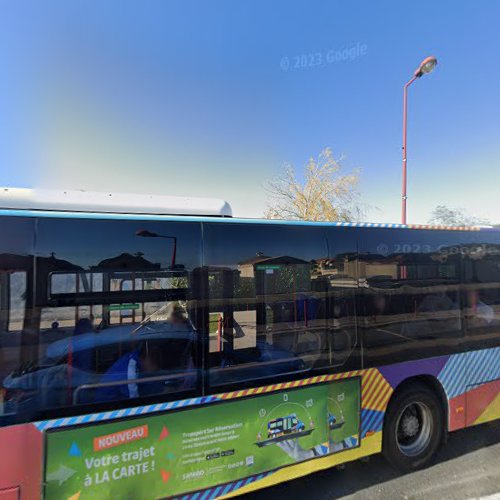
(34, 297)
(60, 283)
(123, 283)
(12, 263)
(125, 272)
(94, 284)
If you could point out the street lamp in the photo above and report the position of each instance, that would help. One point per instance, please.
(426, 66)
(148, 234)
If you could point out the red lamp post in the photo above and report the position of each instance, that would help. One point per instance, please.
(148, 234)
(426, 66)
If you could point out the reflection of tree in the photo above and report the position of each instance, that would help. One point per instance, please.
(278, 275)
(244, 287)
(288, 279)
(180, 282)
(215, 285)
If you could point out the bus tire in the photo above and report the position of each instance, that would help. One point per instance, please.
(413, 428)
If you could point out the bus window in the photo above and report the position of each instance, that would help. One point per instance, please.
(338, 275)
(481, 292)
(113, 317)
(268, 301)
(17, 340)
(410, 294)
(13, 290)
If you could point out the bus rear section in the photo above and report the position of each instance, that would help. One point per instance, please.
(154, 357)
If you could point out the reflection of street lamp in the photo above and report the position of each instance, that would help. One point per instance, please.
(148, 234)
(426, 66)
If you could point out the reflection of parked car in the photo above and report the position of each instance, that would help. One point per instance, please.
(284, 425)
(58, 381)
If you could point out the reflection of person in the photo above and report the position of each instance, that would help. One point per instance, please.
(377, 311)
(379, 305)
(436, 302)
(131, 366)
(476, 309)
(440, 314)
(177, 316)
(54, 333)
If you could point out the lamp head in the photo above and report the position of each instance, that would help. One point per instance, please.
(145, 233)
(426, 66)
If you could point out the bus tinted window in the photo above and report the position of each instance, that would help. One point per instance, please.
(338, 273)
(270, 312)
(112, 317)
(411, 298)
(16, 287)
(481, 289)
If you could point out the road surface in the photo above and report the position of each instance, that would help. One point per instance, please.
(467, 467)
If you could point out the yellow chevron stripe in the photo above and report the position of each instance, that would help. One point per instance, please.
(372, 391)
(492, 412)
(380, 402)
(375, 391)
(378, 395)
(367, 382)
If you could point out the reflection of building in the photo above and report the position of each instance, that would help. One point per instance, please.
(340, 271)
(347, 268)
(387, 270)
(126, 261)
(247, 268)
(127, 273)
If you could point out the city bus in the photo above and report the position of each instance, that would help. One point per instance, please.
(147, 342)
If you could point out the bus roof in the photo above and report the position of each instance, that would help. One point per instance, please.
(115, 203)
(228, 220)
(69, 204)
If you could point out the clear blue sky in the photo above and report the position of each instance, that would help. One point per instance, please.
(203, 98)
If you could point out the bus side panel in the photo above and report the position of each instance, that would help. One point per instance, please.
(483, 403)
(454, 373)
(21, 460)
(470, 380)
(471, 383)
(467, 404)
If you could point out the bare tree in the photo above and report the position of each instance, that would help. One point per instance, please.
(325, 194)
(442, 215)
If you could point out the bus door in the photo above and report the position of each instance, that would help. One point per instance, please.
(481, 317)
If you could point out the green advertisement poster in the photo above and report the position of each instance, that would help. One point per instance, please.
(176, 452)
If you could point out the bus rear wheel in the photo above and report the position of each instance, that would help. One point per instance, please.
(413, 428)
